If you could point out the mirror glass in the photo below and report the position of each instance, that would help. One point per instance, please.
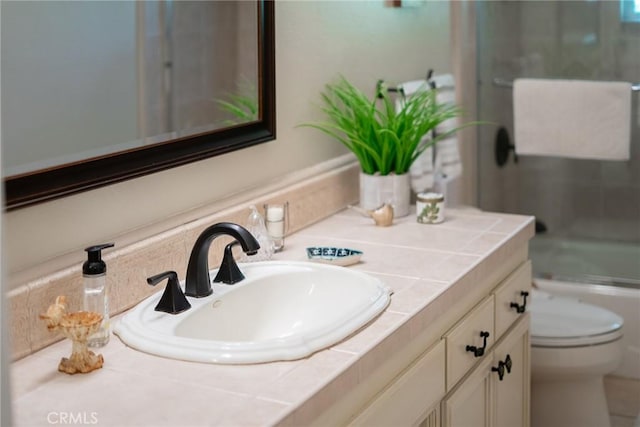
(85, 81)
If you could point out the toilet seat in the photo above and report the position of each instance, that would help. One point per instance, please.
(565, 322)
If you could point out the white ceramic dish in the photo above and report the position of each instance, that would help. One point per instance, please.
(334, 256)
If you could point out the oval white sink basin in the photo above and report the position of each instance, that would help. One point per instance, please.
(280, 311)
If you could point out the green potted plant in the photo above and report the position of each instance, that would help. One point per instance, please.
(386, 140)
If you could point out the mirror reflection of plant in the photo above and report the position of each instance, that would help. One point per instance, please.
(384, 139)
(243, 105)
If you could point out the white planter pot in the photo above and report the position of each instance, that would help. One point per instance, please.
(378, 189)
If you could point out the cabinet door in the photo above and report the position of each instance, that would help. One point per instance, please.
(511, 393)
(482, 398)
(412, 396)
(469, 404)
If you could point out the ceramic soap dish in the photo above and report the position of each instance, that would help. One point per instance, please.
(332, 255)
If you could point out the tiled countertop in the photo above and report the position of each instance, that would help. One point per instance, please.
(421, 263)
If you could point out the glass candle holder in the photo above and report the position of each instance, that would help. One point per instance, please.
(277, 222)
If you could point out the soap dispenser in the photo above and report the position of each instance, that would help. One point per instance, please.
(94, 273)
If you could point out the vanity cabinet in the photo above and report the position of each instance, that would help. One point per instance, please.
(494, 392)
(475, 375)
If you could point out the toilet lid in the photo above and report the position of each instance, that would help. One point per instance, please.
(559, 322)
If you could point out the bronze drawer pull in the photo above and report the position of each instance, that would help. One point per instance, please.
(523, 307)
(479, 351)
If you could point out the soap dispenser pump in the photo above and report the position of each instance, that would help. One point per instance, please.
(94, 273)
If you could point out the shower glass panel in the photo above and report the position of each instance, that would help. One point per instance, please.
(590, 209)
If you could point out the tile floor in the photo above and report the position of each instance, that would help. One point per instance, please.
(623, 396)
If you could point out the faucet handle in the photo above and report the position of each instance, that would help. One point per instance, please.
(228, 272)
(173, 300)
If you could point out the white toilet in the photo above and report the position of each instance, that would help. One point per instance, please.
(573, 346)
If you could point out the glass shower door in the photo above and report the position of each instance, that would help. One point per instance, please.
(587, 211)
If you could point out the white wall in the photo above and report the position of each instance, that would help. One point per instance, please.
(315, 41)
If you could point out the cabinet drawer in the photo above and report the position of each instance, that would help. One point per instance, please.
(465, 340)
(411, 395)
(510, 301)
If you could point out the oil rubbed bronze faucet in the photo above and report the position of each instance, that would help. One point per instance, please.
(198, 283)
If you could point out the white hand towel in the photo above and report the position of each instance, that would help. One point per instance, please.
(421, 171)
(409, 88)
(447, 152)
(572, 118)
(443, 81)
(447, 155)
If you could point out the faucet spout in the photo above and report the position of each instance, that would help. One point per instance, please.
(198, 282)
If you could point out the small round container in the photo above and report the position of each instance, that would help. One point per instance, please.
(430, 208)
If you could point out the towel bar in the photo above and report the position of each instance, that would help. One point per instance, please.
(500, 82)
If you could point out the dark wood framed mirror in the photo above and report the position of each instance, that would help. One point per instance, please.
(45, 184)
